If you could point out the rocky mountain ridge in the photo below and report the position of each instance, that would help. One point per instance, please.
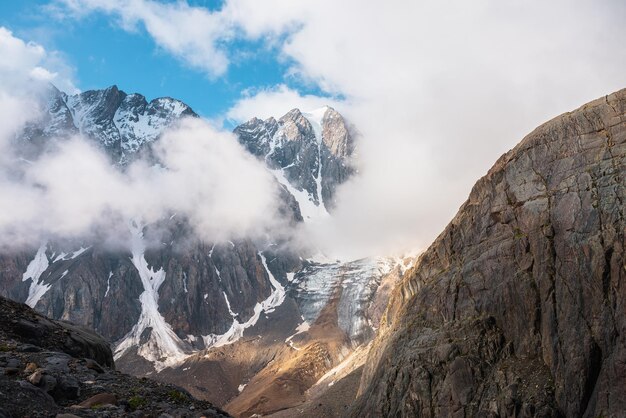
(517, 308)
(308, 153)
(122, 124)
(206, 280)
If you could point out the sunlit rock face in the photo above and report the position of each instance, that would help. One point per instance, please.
(517, 308)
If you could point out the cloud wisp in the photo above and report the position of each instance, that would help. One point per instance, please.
(73, 190)
(191, 34)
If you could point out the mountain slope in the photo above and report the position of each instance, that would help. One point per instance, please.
(49, 367)
(249, 324)
(175, 306)
(518, 307)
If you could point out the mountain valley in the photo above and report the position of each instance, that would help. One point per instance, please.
(515, 310)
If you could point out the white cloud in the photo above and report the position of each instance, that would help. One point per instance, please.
(276, 101)
(26, 62)
(24, 69)
(73, 191)
(438, 89)
(191, 34)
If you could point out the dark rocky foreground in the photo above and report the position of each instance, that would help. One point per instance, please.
(50, 368)
(518, 307)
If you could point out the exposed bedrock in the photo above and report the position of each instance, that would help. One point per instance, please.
(517, 308)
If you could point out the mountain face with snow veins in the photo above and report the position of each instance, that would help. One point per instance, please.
(308, 153)
(516, 309)
(172, 310)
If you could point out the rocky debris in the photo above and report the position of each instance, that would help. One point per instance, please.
(330, 339)
(277, 361)
(99, 400)
(517, 309)
(296, 366)
(334, 402)
(46, 382)
(36, 333)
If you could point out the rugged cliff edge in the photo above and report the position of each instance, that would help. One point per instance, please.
(518, 307)
(50, 367)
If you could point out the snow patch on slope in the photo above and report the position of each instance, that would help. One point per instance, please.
(65, 256)
(315, 118)
(358, 279)
(35, 269)
(163, 348)
(108, 284)
(277, 297)
(308, 209)
(235, 332)
(137, 128)
(303, 327)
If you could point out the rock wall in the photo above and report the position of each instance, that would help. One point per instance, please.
(518, 307)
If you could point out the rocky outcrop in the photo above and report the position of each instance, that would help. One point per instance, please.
(21, 324)
(52, 368)
(518, 308)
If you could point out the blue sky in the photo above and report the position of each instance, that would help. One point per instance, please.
(102, 54)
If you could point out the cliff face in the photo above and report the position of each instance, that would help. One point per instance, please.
(518, 307)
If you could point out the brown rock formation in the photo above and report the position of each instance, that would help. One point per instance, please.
(518, 307)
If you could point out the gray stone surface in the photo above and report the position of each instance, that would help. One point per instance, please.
(518, 308)
(63, 379)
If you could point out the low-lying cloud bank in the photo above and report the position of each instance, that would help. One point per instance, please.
(72, 190)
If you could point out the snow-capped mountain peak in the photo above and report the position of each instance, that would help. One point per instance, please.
(120, 123)
(308, 152)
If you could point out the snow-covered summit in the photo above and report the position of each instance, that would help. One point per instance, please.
(119, 122)
(308, 152)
